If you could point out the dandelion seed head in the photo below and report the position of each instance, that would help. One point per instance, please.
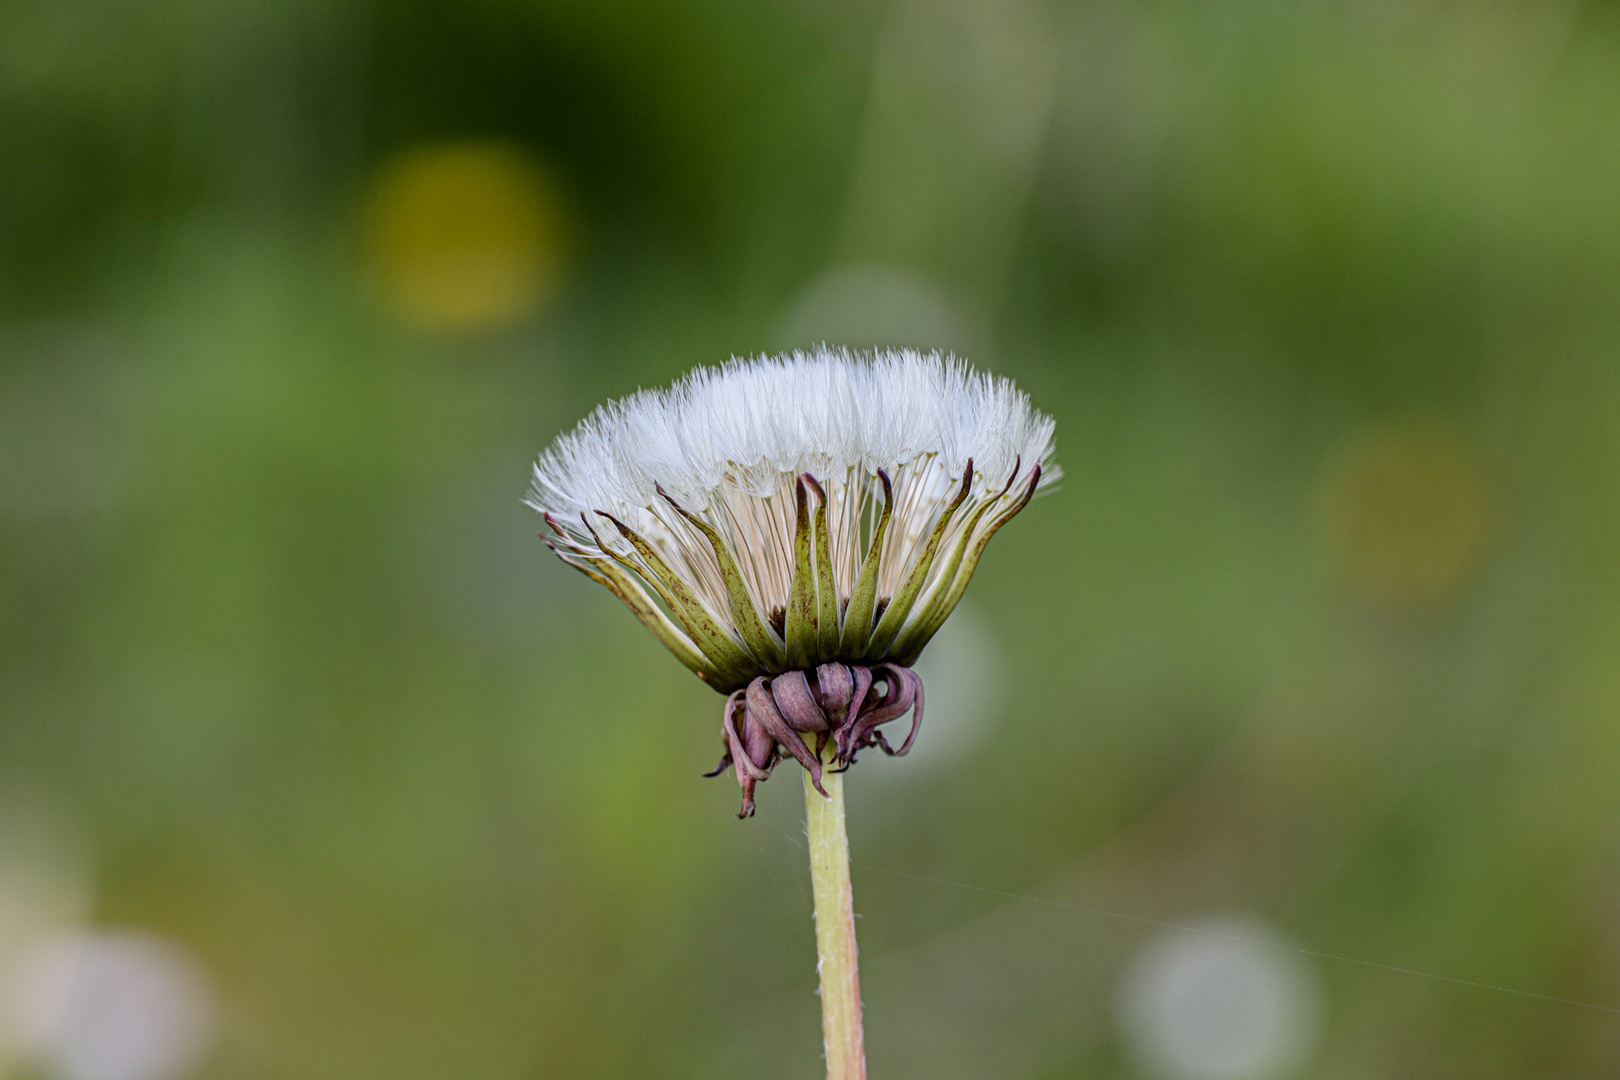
(746, 430)
(799, 526)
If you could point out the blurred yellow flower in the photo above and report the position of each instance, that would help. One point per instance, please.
(463, 236)
(1404, 513)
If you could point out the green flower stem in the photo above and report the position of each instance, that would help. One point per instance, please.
(836, 960)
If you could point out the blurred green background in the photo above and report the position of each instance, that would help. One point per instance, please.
(1319, 639)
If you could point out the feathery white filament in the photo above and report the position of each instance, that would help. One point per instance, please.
(729, 443)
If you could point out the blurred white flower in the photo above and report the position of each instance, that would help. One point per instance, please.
(1196, 1006)
(112, 1006)
(46, 890)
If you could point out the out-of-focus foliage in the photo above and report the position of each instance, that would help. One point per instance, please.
(1320, 638)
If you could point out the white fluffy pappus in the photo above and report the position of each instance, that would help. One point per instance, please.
(773, 513)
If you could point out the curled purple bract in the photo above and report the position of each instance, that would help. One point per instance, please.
(844, 703)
